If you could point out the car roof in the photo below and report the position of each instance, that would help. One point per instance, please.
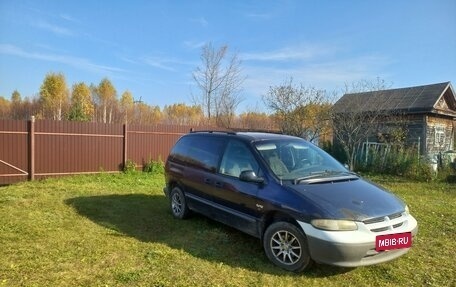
(248, 136)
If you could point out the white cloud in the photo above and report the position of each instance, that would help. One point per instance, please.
(53, 28)
(167, 64)
(294, 53)
(69, 18)
(159, 63)
(259, 16)
(77, 62)
(329, 74)
(129, 60)
(201, 21)
(322, 66)
(194, 44)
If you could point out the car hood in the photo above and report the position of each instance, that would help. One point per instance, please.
(351, 199)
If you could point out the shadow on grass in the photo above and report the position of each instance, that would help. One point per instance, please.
(148, 219)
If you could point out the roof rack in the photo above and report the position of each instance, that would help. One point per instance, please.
(266, 131)
(212, 131)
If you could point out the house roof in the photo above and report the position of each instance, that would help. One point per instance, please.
(435, 98)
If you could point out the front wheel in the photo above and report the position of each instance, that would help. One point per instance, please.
(286, 246)
(178, 203)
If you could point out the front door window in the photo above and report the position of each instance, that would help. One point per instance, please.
(237, 158)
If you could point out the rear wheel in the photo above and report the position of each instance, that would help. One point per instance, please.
(286, 246)
(178, 203)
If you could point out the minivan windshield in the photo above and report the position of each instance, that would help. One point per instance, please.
(295, 159)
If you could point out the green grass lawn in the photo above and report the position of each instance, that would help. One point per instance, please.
(117, 230)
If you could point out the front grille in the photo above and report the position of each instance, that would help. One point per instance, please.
(385, 223)
(395, 215)
(374, 220)
(381, 229)
(398, 225)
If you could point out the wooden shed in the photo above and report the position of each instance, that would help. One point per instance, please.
(427, 114)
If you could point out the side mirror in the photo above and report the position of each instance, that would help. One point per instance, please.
(250, 176)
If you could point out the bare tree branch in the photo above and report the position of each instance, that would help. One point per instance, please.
(299, 110)
(352, 122)
(219, 80)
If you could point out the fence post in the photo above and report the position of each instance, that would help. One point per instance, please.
(31, 148)
(419, 148)
(125, 142)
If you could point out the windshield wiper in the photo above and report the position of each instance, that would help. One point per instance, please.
(322, 173)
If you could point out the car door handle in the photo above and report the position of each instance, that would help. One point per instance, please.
(218, 184)
(207, 181)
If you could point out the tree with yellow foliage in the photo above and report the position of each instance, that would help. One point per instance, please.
(299, 110)
(4, 108)
(106, 96)
(182, 114)
(81, 108)
(127, 106)
(54, 96)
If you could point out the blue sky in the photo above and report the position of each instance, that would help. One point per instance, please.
(151, 47)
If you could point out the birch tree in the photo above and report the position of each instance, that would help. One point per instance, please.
(127, 105)
(5, 107)
(182, 114)
(16, 105)
(81, 108)
(54, 96)
(106, 95)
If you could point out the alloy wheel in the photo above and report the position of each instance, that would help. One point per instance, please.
(285, 247)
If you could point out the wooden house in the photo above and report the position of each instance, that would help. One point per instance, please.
(426, 113)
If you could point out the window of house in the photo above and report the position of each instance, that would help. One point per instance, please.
(439, 133)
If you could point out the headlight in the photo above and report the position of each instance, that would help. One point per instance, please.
(334, 225)
(407, 211)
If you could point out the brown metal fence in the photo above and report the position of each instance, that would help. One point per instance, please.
(14, 151)
(43, 148)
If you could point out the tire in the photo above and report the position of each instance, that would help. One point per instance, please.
(286, 246)
(178, 203)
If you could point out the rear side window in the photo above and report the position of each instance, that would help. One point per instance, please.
(179, 153)
(199, 151)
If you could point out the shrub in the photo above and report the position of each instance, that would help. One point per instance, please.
(130, 167)
(154, 167)
(397, 161)
(335, 150)
(447, 173)
(420, 171)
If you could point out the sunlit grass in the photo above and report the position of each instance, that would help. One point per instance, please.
(117, 230)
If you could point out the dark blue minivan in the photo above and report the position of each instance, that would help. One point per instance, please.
(303, 204)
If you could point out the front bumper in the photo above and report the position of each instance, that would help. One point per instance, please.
(353, 248)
